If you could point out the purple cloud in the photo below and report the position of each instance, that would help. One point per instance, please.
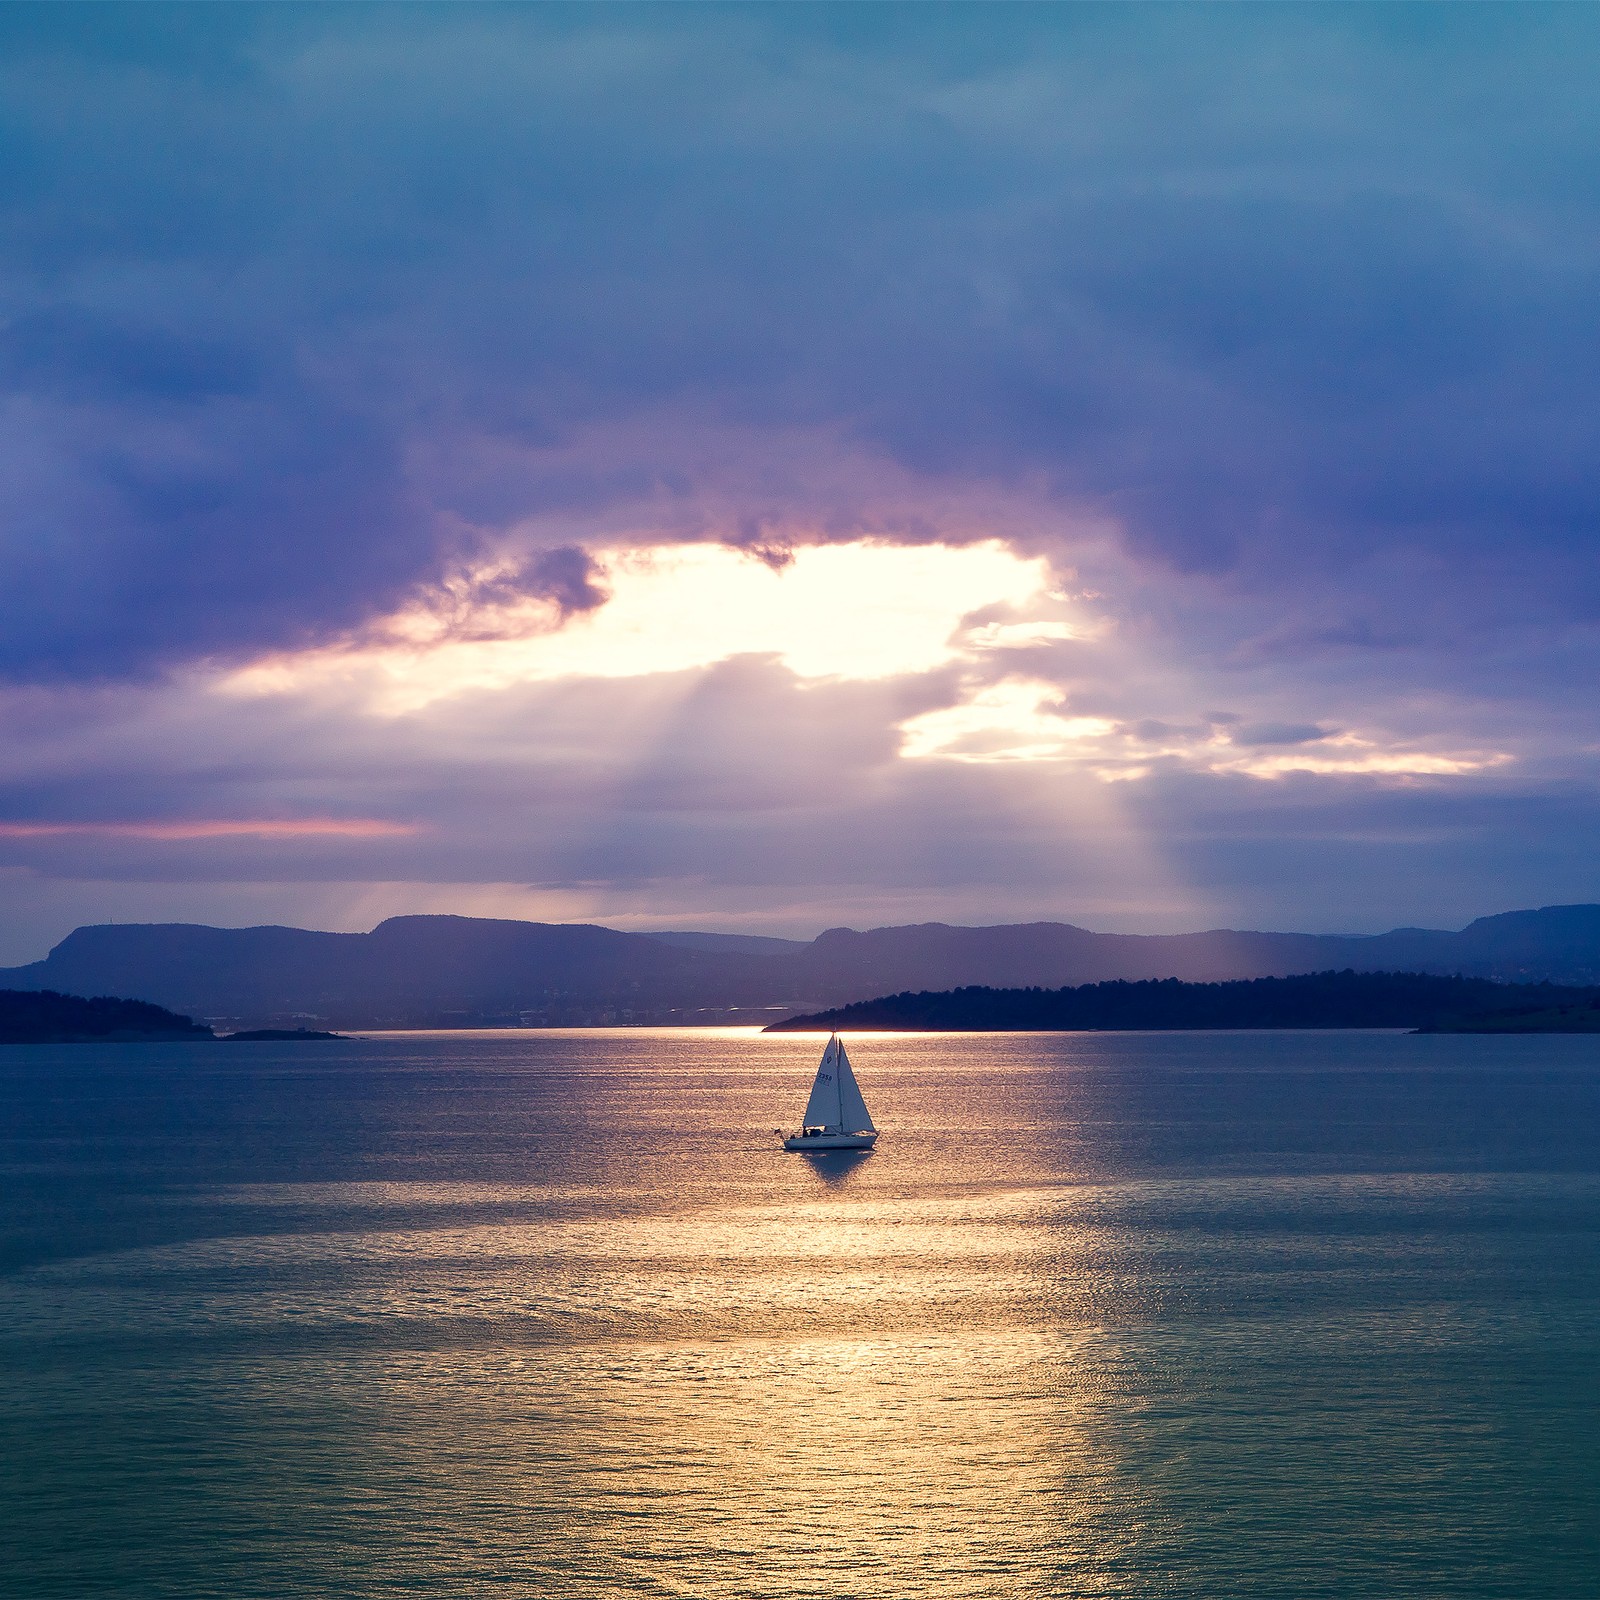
(1273, 330)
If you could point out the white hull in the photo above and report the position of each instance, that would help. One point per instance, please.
(830, 1141)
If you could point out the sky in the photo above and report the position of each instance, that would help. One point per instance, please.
(765, 468)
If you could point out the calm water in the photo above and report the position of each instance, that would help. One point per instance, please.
(550, 1314)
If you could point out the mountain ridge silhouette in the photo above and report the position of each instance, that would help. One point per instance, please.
(441, 970)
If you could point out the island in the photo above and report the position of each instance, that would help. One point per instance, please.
(45, 1016)
(1579, 1016)
(1421, 1002)
(42, 1016)
(277, 1035)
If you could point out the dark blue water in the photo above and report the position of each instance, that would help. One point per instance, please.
(551, 1314)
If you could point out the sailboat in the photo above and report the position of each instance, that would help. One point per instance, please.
(836, 1116)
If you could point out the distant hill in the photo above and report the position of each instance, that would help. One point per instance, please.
(1559, 944)
(442, 971)
(41, 1016)
(436, 971)
(748, 944)
(1312, 1000)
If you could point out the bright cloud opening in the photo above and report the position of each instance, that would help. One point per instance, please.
(1018, 635)
(1024, 719)
(859, 611)
(1010, 721)
(1351, 754)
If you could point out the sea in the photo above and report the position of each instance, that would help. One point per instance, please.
(550, 1313)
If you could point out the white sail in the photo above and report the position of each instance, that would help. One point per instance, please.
(836, 1104)
(853, 1114)
(823, 1108)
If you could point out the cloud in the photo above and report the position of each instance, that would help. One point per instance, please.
(342, 292)
(212, 828)
(1270, 733)
(1200, 400)
(569, 578)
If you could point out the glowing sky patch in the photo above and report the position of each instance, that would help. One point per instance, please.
(1023, 719)
(854, 611)
(1011, 721)
(1355, 756)
(1020, 635)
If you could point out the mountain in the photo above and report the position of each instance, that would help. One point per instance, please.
(750, 944)
(1419, 1001)
(408, 972)
(446, 971)
(1557, 943)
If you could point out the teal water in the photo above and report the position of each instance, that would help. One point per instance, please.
(551, 1314)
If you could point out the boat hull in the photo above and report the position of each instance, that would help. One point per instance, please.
(830, 1141)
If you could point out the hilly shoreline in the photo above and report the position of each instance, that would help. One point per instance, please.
(454, 972)
(42, 1016)
(1420, 1002)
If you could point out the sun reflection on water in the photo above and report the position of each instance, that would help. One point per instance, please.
(1008, 1354)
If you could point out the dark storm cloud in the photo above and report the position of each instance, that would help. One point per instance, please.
(301, 306)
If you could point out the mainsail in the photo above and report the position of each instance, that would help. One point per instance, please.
(836, 1104)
